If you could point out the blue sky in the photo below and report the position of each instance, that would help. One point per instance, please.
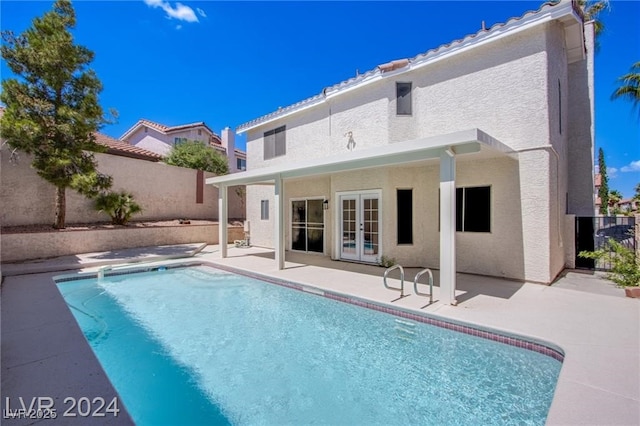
(227, 63)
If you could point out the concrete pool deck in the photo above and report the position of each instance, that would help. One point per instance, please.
(45, 354)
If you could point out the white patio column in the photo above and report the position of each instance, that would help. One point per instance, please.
(222, 220)
(279, 210)
(448, 227)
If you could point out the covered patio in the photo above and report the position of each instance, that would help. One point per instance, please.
(445, 149)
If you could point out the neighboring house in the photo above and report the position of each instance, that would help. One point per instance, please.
(628, 205)
(161, 139)
(470, 157)
(597, 183)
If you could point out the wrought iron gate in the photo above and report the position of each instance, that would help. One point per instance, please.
(592, 233)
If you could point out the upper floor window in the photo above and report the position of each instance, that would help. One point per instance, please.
(403, 98)
(241, 164)
(275, 143)
(178, 141)
(199, 132)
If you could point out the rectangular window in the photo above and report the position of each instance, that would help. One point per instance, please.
(264, 209)
(405, 216)
(473, 209)
(241, 164)
(403, 98)
(178, 141)
(275, 144)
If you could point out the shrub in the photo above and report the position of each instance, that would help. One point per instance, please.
(120, 206)
(197, 155)
(387, 262)
(625, 270)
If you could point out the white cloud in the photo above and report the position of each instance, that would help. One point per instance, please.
(178, 27)
(634, 166)
(201, 12)
(612, 172)
(179, 12)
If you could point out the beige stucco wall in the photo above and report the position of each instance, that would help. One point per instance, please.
(163, 191)
(509, 89)
(499, 88)
(505, 258)
(19, 247)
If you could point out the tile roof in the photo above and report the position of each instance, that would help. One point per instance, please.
(402, 63)
(117, 147)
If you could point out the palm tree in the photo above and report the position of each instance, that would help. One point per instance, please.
(591, 9)
(629, 86)
(614, 198)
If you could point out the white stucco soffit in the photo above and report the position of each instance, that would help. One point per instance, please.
(473, 141)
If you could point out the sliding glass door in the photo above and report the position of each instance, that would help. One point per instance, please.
(307, 225)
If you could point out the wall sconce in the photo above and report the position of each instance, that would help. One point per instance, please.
(325, 205)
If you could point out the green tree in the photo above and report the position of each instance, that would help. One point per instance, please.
(52, 111)
(197, 155)
(615, 197)
(637, 194)
(630, 86)
(603, 191)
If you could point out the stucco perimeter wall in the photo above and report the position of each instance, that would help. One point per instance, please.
(164, 192)
(19, 247)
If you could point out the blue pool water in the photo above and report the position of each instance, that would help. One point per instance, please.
(203, 346)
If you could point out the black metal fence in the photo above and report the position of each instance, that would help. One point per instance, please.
(592, 234)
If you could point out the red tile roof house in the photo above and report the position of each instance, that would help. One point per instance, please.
(471, 157)
(160, 138)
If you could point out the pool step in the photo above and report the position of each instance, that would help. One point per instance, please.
(405, 329)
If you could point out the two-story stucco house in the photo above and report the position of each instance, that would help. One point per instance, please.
(161, 139)
(466, 158)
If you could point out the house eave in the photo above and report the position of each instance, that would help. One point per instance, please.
(458, 143)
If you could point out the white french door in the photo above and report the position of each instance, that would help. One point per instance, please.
(360, 226)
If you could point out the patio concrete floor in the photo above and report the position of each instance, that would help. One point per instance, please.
(45, 354)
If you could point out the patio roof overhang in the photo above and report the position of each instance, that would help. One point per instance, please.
(443, 148)
(459, 143)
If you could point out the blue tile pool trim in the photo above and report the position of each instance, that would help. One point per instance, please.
(496, 336)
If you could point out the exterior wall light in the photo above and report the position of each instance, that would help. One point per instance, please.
(325, 205)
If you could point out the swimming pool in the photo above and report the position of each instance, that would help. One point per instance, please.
(203, 346)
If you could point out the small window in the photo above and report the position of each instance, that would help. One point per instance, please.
(403, 99)
(241, 164)
(178, 141)
(275, 144)
(199, 132)
(405, 216)
(473, 209)
(264, 209)
(559, 107)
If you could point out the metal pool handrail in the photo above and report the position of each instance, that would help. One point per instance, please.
(415, 284)
(384, 279)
